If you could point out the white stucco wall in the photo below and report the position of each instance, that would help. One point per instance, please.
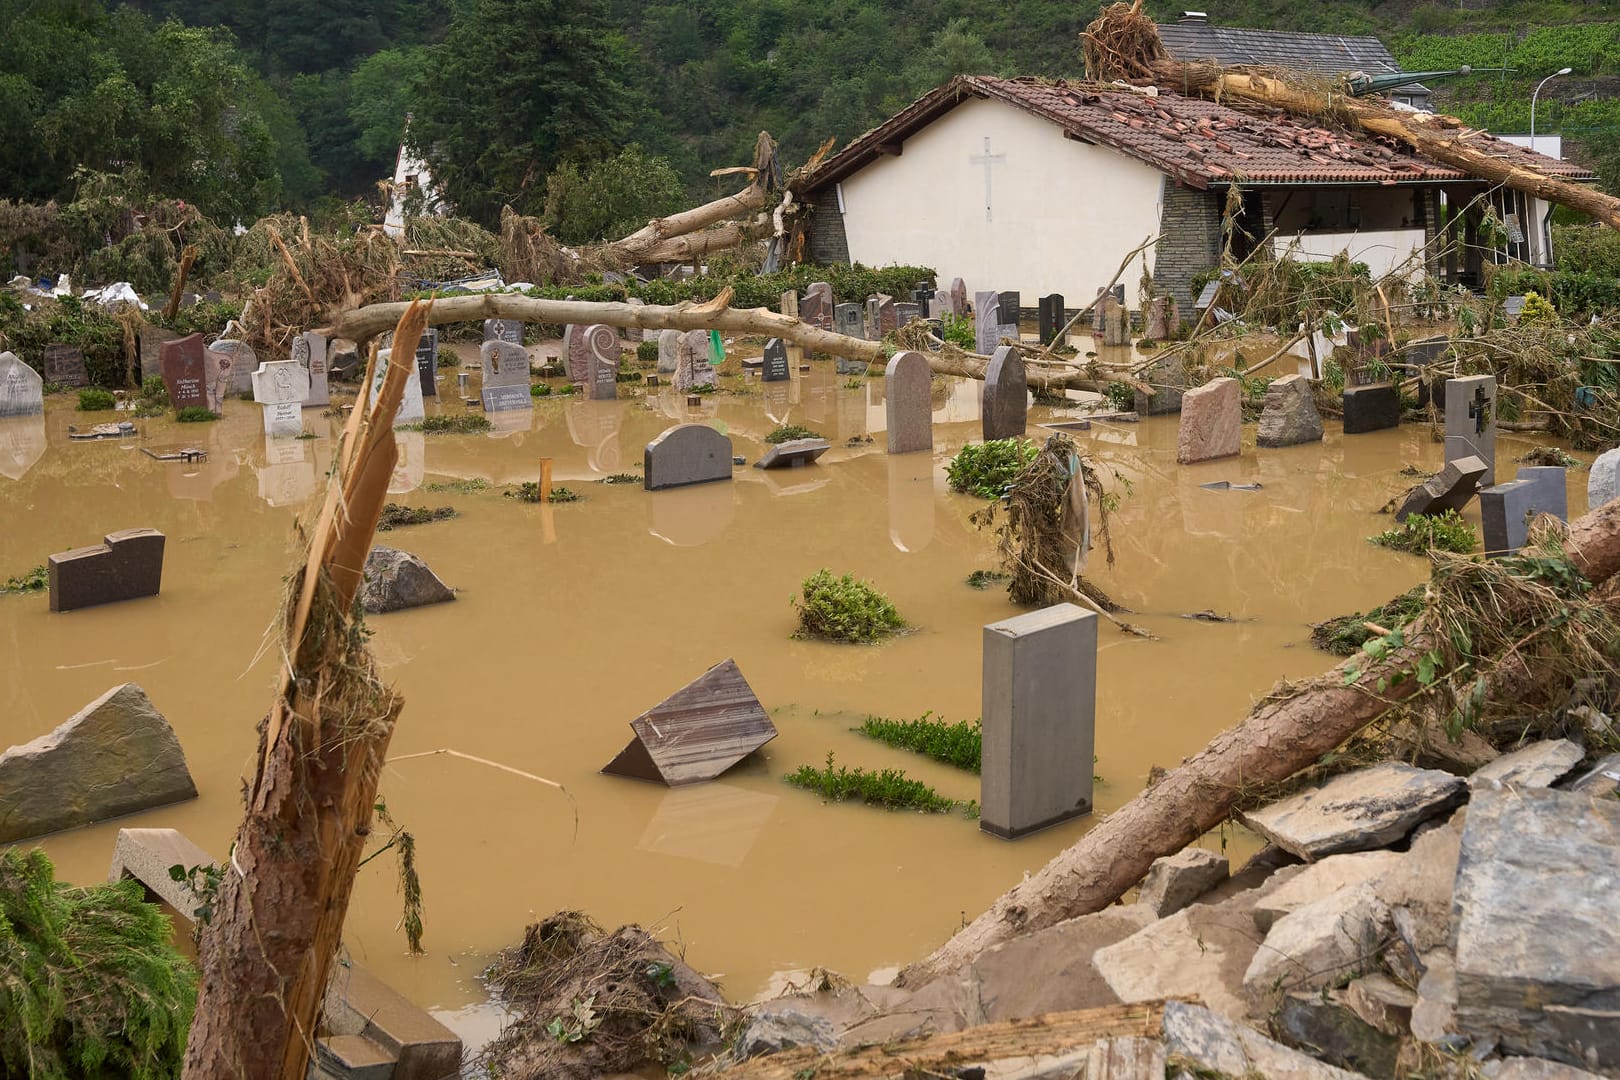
(1062, 213)
(1381, 249)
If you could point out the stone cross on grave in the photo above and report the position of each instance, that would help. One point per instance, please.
(1479, 410)
(989, 161)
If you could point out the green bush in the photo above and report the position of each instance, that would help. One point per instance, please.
(99, 336)
(1121, 396)
(890, 788)
(959, 331)
(1346, 634)
(960, 744)
(987, 469)
(95, 399)
(614, 197)
(844, 609)
(789, 432)
(200, 318)
(90, 983)
(196, 414)
(36, 580)
(153, 388)
(1421, 534)
(647, 352)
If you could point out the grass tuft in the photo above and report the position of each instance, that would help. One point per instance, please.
(395, 515)
(36, 580)
(789, 432)
(196, 414)
(529, 492)
(95, 399)
(457, 424)
(960, 744)
(460, 487)
(889, 788)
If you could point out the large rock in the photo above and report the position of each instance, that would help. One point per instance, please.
(1324, 1027)
(1290, 415)
(116, 756)
(1417, 890)
(1175, 881)
(1358, 811)
(1199, 952)
(1529, 1068)
(1538, 924)
(1603, 479)
(1211, 422)
(1382, 1002)
(1434, 1015)
(1317, 945)
(1320, 879)
(773, 1030)
(1217, 1045)
(1538, 765)
(396, 580)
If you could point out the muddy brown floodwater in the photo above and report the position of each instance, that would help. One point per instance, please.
(574, 618)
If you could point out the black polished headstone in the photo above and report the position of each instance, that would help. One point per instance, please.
(427, 362)
(1051, 315)
(1371, 408)
(776, 362)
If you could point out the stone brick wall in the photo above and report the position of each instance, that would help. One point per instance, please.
(1189, 240)
(828, 242)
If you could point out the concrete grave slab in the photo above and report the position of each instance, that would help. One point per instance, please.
(1471, 421)
(698, 732)
(282, 386)
(686, 454)
(667, 358)
(127, 565)
(309, 350)
(793, 454)
(1357, 811)
(1505, 510)
(849, 320)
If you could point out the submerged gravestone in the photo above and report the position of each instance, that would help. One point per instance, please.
(698, 732)
(1039, 708)
(395, 580)
(281, 387)
(64, 365)
(1374, 407)
(411, 407)
(127, 565)
(1211, 422)
(1505, 510)
(908, 403)
(505, 384)
(1006, 395)
(427, 362)
(509, 330)
(576, 354)
(775, 368)
(184, 368)
(848, 320)
(692, 367)
(793, 453)
(686, 454)
(1051, 317)
(816, 307)
(116, 756)
(1290, 415)
(1471, 421)
(1448, 489)
(606, 354)
(1603, 481)
(668, 360)
(22, 391)
(309, 351)
(995, 317)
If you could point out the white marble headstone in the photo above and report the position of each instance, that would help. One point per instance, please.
(22, 391)
(410, 407)
(282, 387)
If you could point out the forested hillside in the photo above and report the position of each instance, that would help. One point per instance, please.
(244, 107)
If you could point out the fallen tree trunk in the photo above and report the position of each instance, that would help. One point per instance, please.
(266, 953)
(650, 243)
(1278, 739)
(943, 1054)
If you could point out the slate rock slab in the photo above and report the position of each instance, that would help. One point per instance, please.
(1538, 924)
(1538, 765)
(116, 756)
(1317, 944)
(1211, 422)
(1358, 811)
(396, 580)
(686, 454)
(1221, 1046)
(1321, 1025)
(1175, 881)
(1448, 489)
(793, 453)
(1290, 415)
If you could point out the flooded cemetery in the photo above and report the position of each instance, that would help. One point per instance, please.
(786, 643)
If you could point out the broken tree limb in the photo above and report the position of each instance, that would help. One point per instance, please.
(267, 952)
(1278, 739)
(648, 244)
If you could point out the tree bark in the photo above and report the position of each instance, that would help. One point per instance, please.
(650, 243)
(1277, 740)
(266, 954)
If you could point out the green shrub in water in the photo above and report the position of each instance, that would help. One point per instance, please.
(95, 399)
(539, 389)
(195, 414)
(90, 984)
(154, 388)
(987, 469)
(1121, 396)
(529, 492)
(891, 788)
(789, 432)
(1421, 534)
(960, 744)
(844, 609)
(395, 514)
(36, 580)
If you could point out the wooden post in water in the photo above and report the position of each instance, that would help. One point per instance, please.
(545, 480)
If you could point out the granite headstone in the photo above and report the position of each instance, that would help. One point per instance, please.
(64, 366)
(185, 371)
(1006, 394)
(848, 320)
(427, 362)
(686, 454)
(1374, 407)
(1051, 317)
(411, 409)
(505, 376)
(908, 403)
(504, 330)
(1471, 421)
(606, 355)
(309, 352)
(667, 358)
(816, 307)
(776, 362)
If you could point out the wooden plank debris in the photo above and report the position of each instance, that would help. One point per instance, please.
(698, 732)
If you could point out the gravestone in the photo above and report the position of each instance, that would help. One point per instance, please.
(149, 344)
(816, 308)
(793, 453)
(603, 343)
(686, 454)
(1448, 489)
(1039, 708)
(127, 565)
(937, 307)
(638, 333)
(1211, 422)
(776, 362)
(505, 376)
(411, 409)
(1603, 481)
(847, 320)
(959, 296)
(881, 316)
(992, 322)
(905, 314)
(237, 366)
(427, 362)
(698, 732)
(1374, 407)
(1006, 395)
(692, 366)
(185, 372)
(908, 403)
(1290, 415)
(510, 330)
(309, 352)
(281, 387)
(920, 296)
(22, 391)
(1505, 509)
(667, 358)
(1116, 322)
(576, 355)
(64, 366)
(1007, 312)
(1051, 317)
(1471, 421)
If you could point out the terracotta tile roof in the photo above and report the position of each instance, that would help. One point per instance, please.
(1196, 141)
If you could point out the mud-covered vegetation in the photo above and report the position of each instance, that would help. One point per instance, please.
(396, 515)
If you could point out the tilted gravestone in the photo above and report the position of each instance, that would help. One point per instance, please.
(1448, 489)
(606, 354)
(849, 321)
(816, 306)
(1211, 422)
(1040, 708)
(686, 454)
(64, 366)
(1374, 407)
(411, 409)
(504, 330)
(908, 403)
(1051, 317)
(667, 358)
(1006, 395)
(309, 351)
(505, 376)
(427, 362)
(281, 387)
(1505, 510)
(793, 453)
(22, 391)
(1471, 421)
(776, 362)
(698, 732)
(127, 565)
(185, 372)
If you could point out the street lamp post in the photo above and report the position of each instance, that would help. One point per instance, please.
(1539, 85)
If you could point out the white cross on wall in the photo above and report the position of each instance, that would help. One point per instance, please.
(989, 161)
